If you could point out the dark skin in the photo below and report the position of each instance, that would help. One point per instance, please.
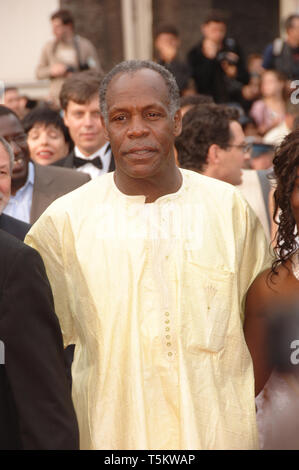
(141, 132)
(11, 129)
(260, 297)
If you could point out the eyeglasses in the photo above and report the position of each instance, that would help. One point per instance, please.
(19, 139)
(245, 148)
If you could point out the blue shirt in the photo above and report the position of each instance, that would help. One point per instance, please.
(268, 58)
(19, 205)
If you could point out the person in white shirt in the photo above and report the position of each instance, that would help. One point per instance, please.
(79, 99)
(276, 135)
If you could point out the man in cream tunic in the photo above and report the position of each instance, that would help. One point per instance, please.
(149, 267)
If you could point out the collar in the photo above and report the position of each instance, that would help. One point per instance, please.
(31, 172)
(101, 152)
(133, 199)
(30, 177)
(29, 182)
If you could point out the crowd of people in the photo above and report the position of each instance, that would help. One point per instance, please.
(155, 209)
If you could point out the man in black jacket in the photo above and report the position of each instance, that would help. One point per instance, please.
(36, 408)
(205, 58)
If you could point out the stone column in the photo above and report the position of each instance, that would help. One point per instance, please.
(137, 29)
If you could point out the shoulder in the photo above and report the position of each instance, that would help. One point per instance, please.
(84, 42)
(261, 284)
(66, 162)
(68, 173)
(60, 175)
(267, 286)
(88, 195)
(9, 245)
(15, 227)
(11, 250)
(269, 49)
(208, 188)
(268, 56)
(261, 292)
(48, 46)
(221, 201)
(195, 51)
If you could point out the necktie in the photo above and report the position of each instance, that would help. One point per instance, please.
(97, 162)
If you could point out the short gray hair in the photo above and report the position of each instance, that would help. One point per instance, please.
(132, 66)
(10, 152)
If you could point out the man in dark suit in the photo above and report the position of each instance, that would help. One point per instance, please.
(33, 187)
(9, 224)
(14, 227)
(79, 99)
(36, 408)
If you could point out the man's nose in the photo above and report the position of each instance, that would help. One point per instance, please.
(137, 128)
(87, 121)
(247, 155)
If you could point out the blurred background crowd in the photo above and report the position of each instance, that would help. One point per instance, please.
(237, 68)
(246, 59)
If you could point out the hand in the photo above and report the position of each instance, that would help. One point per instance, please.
(209, 49)
(58, 70)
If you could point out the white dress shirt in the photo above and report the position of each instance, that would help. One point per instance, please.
(19, 205)
(89, 168)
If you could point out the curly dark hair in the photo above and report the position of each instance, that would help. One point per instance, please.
(204, 125)
(285, 164)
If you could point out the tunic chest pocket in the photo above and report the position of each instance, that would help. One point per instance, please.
(206, 307)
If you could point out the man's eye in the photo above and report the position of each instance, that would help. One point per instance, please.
(153, 114)
(119, 118)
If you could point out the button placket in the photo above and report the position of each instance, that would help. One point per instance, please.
(162, 251)
(167, 335)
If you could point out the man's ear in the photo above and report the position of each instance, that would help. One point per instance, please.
(213, 156)
(177, 123)
(65, 118)
(105, 132)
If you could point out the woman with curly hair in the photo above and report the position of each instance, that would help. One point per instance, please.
(278, 403)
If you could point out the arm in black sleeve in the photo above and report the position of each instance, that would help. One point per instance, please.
(34, 359)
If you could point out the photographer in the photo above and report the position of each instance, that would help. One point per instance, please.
(65, 54)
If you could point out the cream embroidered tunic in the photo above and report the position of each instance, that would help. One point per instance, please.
(152, 296)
